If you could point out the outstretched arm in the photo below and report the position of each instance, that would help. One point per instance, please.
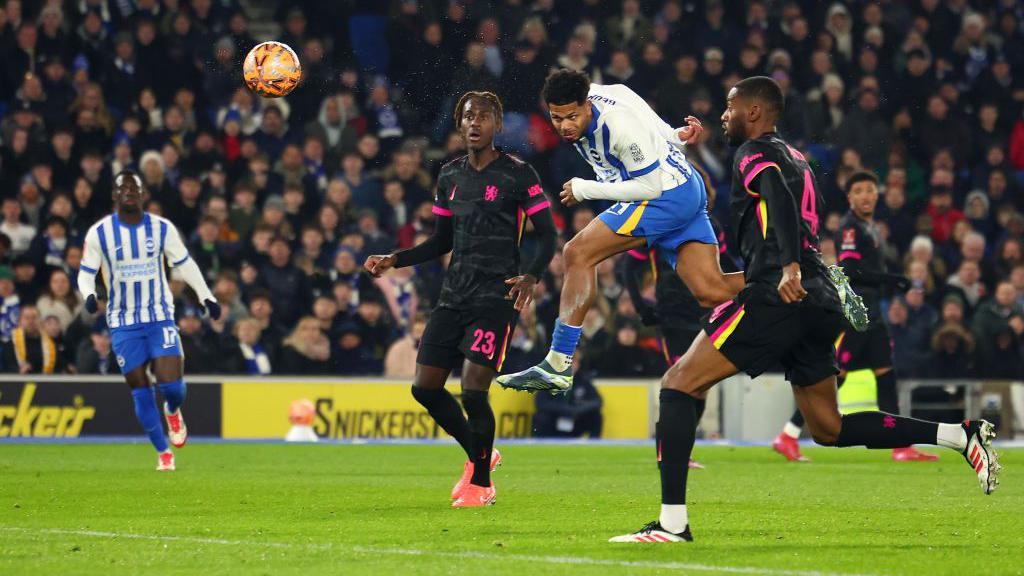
(438, 244)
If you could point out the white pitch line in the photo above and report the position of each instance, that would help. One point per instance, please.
(559, 560)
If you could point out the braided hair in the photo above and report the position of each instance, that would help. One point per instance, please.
(489, 97)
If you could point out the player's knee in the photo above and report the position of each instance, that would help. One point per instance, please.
(709, 294)
(826, 435)
(575, 253)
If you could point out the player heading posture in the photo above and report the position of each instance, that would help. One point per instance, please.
(129, 247)
(638, 160)
(482, 200)
(788, 314)
(860, 257)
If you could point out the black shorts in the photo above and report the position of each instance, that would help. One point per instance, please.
(758, 336)
(480, 335)
(675, 341)
(869, 349)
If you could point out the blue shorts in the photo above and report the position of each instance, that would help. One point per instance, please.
(678, 216)
(139, 343)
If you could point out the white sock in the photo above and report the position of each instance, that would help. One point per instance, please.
(952, 436)
(673, 517)
(558, 361)
(791, 430)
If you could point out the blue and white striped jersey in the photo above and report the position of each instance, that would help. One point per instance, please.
(627, 139)
(131, 259)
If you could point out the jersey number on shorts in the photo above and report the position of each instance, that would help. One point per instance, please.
(170, 336)
(619, 207)
(483, 342)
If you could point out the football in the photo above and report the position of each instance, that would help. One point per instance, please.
(271, 69)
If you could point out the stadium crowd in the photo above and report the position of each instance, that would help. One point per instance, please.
(281, 200)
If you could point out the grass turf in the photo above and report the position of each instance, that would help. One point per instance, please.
(373, 509)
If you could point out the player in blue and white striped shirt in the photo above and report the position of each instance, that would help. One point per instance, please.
(132, 248)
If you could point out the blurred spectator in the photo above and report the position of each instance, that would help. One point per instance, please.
(21, 234)
(10, 304)
(95, 355)
(307, 350)
(997, 328)
(400, 361)
(911, 337)
(573, 415)
(288, 286)
(60, 300)
(625, 358)
(198, 343)
(31, 350)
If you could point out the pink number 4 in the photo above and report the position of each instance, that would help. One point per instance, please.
(809, 203)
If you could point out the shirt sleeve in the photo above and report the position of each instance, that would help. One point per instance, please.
(442, 196)
(532, 196)
(92, 257)
(751, 160)
(636, 151)
(174, 248)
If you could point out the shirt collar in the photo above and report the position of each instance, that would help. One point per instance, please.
(593, 120)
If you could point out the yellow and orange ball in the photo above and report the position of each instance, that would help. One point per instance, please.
(271, 69)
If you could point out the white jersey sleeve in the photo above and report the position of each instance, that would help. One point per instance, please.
(174, 248)
(92, 259)
(92, 256)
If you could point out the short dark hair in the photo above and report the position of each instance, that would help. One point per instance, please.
(764, 90)
(566, 86)
(489, 97)
(860, 176)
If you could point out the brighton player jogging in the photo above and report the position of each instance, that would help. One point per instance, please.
(131, 249)
(482, 202)
(860, 256)
(662, 203)
(789, 314)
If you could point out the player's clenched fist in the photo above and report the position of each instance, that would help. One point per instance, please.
(379, 264)
(790, 288)
(566, 195)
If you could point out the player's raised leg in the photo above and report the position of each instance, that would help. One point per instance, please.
(581, 255)
(170, 380)
(699, 369)
(479, 491)
(148, 414)
(873, 429)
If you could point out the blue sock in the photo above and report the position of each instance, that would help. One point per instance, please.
(148, 415)
(565, 338)
(174, 393)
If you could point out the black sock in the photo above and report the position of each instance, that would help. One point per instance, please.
(700, 404)
(881, 430)
(446, 412)
(481, 426)
(797, 419)
(676, 430)
(888, 401)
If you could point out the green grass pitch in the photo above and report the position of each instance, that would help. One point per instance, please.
(384, 509)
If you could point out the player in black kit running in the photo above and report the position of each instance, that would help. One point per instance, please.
(858, 246)
(482, 202)
(789, 313)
